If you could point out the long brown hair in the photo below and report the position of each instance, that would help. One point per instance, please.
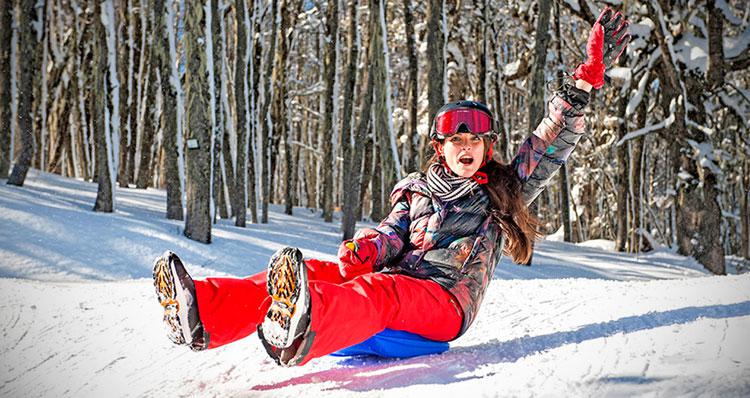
(508, 209)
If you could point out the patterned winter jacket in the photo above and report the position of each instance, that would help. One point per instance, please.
(456, 244)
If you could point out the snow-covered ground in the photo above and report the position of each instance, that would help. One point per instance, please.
(79, 316)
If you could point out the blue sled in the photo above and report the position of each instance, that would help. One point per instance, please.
(394, 344)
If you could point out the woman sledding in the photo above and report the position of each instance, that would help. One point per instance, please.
(424, 269)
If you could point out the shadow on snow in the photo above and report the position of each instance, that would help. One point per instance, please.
(456, 365)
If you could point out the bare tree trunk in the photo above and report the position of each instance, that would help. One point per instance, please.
(536, 91)
(281, 97)
(222, 161)
(6, 19)
(348, 219)
(564, 182)
(169, 110)
(389, 165)
(228, 176)
(504, 141)
(255, 118)
(362, 142)
(483, 54)
(240, 176)
(622, 178)
(435, 38)
(138, 49)
(332, 26)
(99, 101)
(145, 169)
(26, 45)
(716, 68)
(376, 183)
(698, 218)
(198, 157)
(744, 213)
(411, 163)
(263, 115)
(366, 167)
(125, 16)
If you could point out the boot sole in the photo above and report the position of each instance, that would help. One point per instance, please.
(168, 288)
(287, 285)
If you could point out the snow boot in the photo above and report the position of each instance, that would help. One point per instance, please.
(288, 318)
(176, 293)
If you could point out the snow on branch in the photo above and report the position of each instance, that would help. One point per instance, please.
(704, 154)
(737, 46)
(651, 128)
(734, 106)
(728, 12)
(704, 129)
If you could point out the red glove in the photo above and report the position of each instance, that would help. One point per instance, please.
(357, 257)
(608, 38)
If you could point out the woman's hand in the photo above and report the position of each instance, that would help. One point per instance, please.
(608, 38)
(357, 257)
(584, 85)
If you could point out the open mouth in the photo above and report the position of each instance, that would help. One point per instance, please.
(466, 160)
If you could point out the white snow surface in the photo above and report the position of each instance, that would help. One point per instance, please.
(80, 318)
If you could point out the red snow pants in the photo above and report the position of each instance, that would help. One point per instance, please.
(344, 312)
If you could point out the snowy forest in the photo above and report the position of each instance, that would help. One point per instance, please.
(232, 105)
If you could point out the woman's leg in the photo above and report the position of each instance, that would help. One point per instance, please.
(232, 308)
(346, 314)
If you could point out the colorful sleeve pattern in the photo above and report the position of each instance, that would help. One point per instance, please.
(392, 234)
(552, 142)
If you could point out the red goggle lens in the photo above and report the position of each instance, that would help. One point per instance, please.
(476, 121)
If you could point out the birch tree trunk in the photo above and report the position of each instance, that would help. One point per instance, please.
(26, 45)
(332, 26)
(198, 157)
(6, 19)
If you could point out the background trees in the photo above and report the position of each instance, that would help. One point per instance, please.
(325, 104)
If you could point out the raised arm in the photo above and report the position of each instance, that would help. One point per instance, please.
(550, 145)
(552, 142)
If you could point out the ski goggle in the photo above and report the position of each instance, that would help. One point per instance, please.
(474, 120)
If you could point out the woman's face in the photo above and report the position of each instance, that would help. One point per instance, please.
(464, 153)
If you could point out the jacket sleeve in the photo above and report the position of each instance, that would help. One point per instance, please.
(392, 234)
(552, 142)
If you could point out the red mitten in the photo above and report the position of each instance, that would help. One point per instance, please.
(357, 257)
(608, 38)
